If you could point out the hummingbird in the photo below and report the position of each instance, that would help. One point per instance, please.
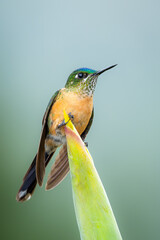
(77, 100)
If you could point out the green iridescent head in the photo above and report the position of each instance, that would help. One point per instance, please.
(84, 80)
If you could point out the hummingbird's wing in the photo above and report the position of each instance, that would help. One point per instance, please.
(60, 168)
(84, 134)
(40, 160)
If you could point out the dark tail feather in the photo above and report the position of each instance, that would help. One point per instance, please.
(29, 181)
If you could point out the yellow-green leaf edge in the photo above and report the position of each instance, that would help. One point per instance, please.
(93, 211)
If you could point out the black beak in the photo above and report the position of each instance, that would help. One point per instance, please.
(102, 71)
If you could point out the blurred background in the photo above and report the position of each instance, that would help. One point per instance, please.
(41, 43)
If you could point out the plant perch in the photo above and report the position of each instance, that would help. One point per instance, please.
(93, 211)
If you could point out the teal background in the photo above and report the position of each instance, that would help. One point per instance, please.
(41, 43)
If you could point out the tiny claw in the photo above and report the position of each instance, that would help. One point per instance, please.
(63, 123)
(70, 116)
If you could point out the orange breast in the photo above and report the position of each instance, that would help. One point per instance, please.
(79, 106)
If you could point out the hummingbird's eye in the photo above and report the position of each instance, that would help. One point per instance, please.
(80, 75)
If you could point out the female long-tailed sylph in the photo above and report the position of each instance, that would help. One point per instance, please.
(77, 99)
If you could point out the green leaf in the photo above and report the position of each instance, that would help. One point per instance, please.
(93, 211)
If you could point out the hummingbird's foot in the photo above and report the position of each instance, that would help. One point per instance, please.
(63, 123)
(70, 116)
(86, 144)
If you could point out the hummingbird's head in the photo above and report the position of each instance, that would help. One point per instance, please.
(84, 80)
